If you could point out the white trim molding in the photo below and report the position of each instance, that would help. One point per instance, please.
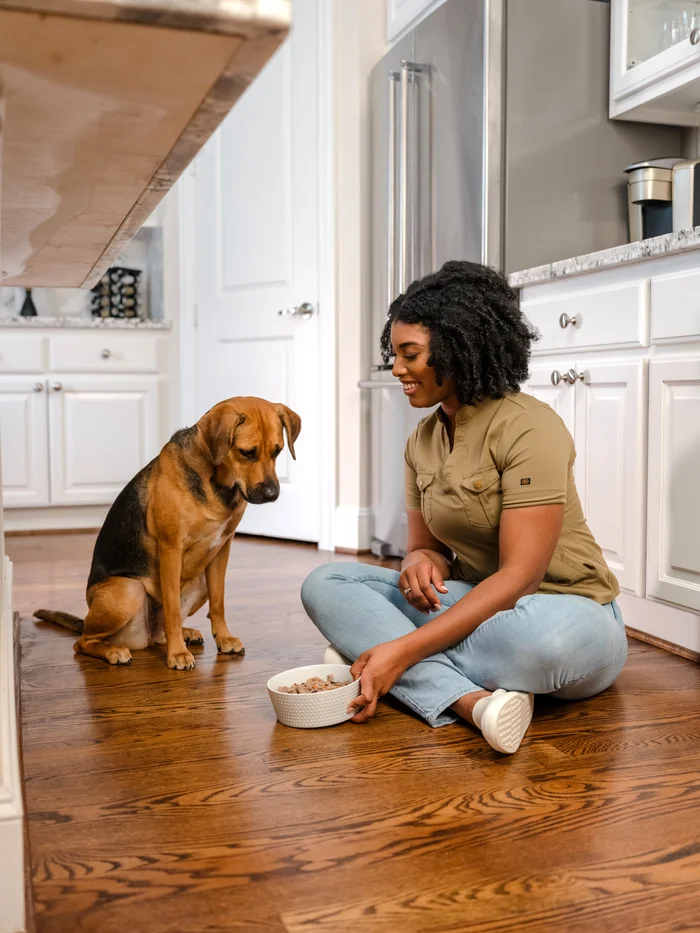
(12, 911)
(326, 274)
(352, 528)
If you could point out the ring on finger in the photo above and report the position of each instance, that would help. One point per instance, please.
(407, 591)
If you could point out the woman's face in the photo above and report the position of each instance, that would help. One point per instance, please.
(411, 344)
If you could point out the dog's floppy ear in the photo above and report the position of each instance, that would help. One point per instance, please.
(218, 428)
(291, 422)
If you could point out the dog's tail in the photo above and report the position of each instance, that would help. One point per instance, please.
(64, 619)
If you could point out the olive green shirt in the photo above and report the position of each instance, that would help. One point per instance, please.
(508, 453)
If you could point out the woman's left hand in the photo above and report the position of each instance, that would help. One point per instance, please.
(378, 670)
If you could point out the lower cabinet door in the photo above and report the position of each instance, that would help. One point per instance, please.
(103, 430)
(24, 441)
(673, 530)
(611, 425)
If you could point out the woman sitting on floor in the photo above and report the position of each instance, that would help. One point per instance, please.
(504, 592)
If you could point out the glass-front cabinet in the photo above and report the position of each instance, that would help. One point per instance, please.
(655, 61)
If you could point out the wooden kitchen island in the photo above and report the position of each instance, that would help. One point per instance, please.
(103, 104)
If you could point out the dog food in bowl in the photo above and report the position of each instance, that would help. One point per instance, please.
(311, 710)
(315, 685)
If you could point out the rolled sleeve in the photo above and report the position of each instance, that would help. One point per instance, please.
(537, 453)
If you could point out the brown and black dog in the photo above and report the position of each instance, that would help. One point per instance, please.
(164, 546)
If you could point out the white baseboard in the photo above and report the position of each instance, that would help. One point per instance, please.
(352, 528)
(12, 914)
(677, 626)
(56, 518)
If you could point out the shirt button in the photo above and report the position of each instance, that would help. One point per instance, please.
(478, 484)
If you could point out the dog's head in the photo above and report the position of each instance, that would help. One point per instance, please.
(244, 437)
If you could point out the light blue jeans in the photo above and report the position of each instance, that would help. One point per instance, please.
(567, 646)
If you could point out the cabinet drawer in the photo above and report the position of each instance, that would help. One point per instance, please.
(106, 353)
(675, 306)
(22, 353)
(604, 317)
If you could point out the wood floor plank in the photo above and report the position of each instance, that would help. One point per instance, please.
(175, 802)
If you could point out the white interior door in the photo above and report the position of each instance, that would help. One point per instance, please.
(611, 430)
(24, 435)
(673, 551)
(256, 208)
(103, 429)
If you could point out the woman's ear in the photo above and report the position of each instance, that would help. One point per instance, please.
(291, 422)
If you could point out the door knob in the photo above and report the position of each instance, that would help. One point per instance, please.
(304, 310)
(565, 320)
(57, 386)
(38, 386)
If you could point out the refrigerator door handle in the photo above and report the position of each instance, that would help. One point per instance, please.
(394, 78)
(410, 74)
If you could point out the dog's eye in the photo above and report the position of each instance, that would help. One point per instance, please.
(276, 452)
(249, 454)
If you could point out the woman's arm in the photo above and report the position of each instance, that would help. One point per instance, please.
(426, 566)
(526, 543)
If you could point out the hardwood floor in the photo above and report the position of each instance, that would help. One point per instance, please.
(163, 801)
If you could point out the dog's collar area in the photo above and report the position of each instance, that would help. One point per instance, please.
(226, 494)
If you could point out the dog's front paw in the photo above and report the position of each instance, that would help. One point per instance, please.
(192, 636)
(229, 644)
(115, 654)
(181, 661)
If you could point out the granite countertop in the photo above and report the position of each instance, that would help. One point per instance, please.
(81, 323)
(608, 258)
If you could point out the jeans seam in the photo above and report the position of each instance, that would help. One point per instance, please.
(595, 670)
(400, 693)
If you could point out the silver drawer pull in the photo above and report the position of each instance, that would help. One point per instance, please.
(106, 354)
(38, 386)
(57, 386)
(573, 377)
(565, 320)
(556, 377)
(695, 36)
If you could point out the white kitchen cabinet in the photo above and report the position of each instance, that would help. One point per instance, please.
(559, 397)
(673, 555)
(610, 435)
(605, 412)
(655, 61)
(23, 429)
(404, 13)
(103, 430)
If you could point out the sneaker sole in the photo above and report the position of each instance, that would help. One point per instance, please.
(506, 720)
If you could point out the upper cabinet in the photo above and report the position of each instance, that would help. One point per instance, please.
(655, 61)
(104, 104)
(402, 14)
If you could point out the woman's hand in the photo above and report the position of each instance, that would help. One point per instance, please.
(378, 670)
(420, 579)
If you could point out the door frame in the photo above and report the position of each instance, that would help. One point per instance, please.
(179, 275)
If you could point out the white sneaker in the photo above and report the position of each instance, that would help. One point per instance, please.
(504, 718)
(332, 656)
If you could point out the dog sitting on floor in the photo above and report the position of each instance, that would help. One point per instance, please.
(163, 549)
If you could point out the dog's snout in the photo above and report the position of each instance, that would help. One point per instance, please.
(264, 492)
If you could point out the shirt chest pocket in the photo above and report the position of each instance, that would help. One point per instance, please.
(425, 482)
(482, 497)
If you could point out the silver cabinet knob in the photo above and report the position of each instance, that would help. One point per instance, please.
(565, 320)
(38, 386)
(573, 377)
(556, 377)
(106, 354)
(695, 36)
(304, 310)
(57, 386)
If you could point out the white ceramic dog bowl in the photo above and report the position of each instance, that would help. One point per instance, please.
(312, 710)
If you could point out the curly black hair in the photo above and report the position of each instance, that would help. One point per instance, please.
(478, 335)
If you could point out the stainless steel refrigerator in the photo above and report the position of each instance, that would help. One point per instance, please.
(490, 142)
